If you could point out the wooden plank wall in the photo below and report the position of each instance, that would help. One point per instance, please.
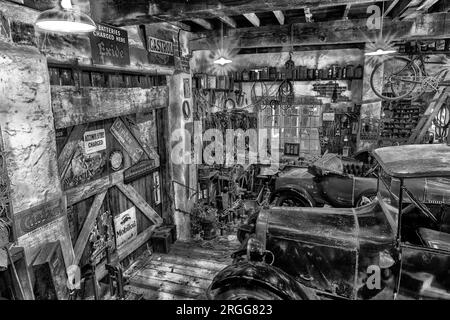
(81, 197)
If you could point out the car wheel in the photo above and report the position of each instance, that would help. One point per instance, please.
(291, 199)
(245, 293)
(365, 199)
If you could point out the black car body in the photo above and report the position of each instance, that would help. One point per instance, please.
(324, 182)
(377, 251)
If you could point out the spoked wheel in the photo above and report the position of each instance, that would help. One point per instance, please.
(366, 199)
(400, 78)
(244, 293)
(291, 200)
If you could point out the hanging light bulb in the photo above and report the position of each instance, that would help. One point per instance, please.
(64, 19)
(380, 51)
(222, 60)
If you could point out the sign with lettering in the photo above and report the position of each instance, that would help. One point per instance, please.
(126, 139)
(139, 170)
(37, 217)
(160, 46)
(109, 45)
(125, 226)
(94, 141)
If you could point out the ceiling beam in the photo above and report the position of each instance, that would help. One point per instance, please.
(419, 9)
(346, 11)
(253, 18)
(280, 16)
(308, 15)
(399, 8)
(135, 12)
(202, 22)
(327, 33)
(391, 6)
(228, 21)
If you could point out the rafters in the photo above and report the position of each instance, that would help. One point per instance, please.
(280, 16)
(202, 22)
(308, 15)
(253, 18)
(135, 12)
(324, 33)
(346, 11)
(229, 21)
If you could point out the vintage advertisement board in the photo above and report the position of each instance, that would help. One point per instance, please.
(125, 226)
(120, 131)
(160, 46)
(94, 141)
(109, 45)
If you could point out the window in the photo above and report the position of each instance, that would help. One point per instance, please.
(298, 125)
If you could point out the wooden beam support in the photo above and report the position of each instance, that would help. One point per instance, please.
(308, 15)
(89, 223)
(346, 11)
(422, 8)
(391, 6)
(76, 105)
(280, 16)
(399, 8)
(135, 12)
(91, 188)
(228, 21)
(141, 239)
(140, 203)
(203, 23)
(253, 18)
(328, 33)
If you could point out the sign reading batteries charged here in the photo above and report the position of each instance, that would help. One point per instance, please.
(94, 141)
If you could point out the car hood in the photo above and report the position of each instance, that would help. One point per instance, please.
(349, 228)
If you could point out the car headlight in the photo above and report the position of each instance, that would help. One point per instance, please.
(255, 250)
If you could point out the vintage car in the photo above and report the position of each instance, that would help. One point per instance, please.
(325, 182)
(378, 251)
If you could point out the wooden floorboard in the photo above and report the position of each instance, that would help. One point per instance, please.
(183, 273)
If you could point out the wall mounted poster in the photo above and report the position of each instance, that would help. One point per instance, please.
(94, 141)
(109, 45)
(160, 46)
(126, 139)
(125, 226)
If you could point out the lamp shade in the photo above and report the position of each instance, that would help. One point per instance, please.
(63, 20)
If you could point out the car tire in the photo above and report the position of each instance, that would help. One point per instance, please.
(239, 292)
(365, 199)
(291, 199)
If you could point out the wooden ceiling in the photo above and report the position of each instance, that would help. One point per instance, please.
(207, 15)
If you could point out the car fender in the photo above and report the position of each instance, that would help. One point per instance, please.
(295, 189)
(263, 275)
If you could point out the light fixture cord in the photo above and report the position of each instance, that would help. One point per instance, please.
(382, 21)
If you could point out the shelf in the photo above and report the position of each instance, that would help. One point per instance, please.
(281, 80)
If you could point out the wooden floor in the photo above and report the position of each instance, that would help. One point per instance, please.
(182, 274)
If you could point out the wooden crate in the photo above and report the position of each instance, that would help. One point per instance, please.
(161, 241)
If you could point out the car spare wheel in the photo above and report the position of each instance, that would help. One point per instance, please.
(291, 199)
(366, 199)
(244, 293)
